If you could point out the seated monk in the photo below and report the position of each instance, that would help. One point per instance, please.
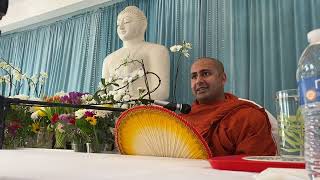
(131, 27)
(229, 125)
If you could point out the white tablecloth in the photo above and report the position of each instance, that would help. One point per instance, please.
(46, 164)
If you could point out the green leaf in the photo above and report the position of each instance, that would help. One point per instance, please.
(293, 150)
(84, 126)
(103, 81)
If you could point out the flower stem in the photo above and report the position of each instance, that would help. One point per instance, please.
(176, 79)
(96, 135)
(145, 78)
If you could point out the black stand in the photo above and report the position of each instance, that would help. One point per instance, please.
(3, 112)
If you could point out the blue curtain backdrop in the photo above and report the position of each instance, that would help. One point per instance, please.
(259, 43)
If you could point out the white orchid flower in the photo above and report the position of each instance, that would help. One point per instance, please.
(92, 102)
(34, 115)
(41, 81)
(140, 73)
(110, 79)
(6, 78)
(20, 96)
(36, 99)
(126, 97)
(121, 92)
(175, 48)
(17, 76)
(130, 79)
(61, 94)
(34, 78)
(44, 74)
(117, 97)
(134, 74)
(102, 113)
(112, 92)
(125, 80)
(80, 113)
(104, 96)
(188, 45)
(6, 67)
(124, 106)
(24, 76)
(2, 64)
(100, 86)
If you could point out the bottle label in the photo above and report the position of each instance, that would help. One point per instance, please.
(309, 90)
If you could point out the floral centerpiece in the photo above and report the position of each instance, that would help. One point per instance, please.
(58, 119)
(96, 127)
(19, 130)
(74, 125)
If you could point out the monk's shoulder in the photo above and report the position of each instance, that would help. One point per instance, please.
(247, 116)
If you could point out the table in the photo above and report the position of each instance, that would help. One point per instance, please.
(50, 164)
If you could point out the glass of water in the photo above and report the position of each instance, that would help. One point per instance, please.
(290, 125)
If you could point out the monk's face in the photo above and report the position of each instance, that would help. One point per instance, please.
(207, 81)
(129, 27)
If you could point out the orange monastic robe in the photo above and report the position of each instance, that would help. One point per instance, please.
(233, 127)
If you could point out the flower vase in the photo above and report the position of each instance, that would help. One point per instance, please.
(78, 147)
(30, 142)
(60, 140)
(44, 138)
(95, 148)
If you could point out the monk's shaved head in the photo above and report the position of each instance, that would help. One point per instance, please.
(217, 63)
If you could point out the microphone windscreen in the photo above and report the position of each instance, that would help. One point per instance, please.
(185, 108)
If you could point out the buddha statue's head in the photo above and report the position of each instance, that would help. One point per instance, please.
(131, 24)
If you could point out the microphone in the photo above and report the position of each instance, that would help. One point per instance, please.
(183, 108)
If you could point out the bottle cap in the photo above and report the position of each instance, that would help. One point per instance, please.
(314, 36)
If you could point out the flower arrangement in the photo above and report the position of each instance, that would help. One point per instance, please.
(79, 126)
(53, 127)
(19, 128)
(95, 126)
(12, 80)
(115, 89)
(58, 119)
(183, 51)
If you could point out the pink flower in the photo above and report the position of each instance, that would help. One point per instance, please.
(89, 114)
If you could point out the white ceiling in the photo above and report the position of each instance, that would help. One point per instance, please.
(26, 13)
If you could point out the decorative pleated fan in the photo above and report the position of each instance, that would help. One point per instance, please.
(155, 131)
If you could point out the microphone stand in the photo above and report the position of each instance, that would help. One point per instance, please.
(6, 102)
(4, 107)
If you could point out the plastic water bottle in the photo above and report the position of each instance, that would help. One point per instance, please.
(308, 78)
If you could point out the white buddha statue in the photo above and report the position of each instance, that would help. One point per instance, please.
(131, 27)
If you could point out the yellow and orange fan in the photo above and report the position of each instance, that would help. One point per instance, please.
(156, 131)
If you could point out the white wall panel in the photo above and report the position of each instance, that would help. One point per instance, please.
(24, 13)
